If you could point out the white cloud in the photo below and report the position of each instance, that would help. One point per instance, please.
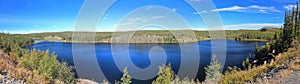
(233, 8)
(158, 17)
(251, 26)
(250, 9)
(149, 7)
(20, 31)
(276, 17)
(201, 12)
(174, 9)
(290, 7)
(131, 21)
(134, 19)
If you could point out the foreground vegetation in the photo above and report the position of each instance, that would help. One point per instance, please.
(234, 75)
(31, 66)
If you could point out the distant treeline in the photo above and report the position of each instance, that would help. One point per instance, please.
(9, 42)
(163, 36)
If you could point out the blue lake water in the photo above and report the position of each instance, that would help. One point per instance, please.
(139, 54)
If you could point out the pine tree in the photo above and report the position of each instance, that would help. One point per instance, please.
(286, 32)
(126, 79)
(296, 31)
(289, 32)
(212, 71)
(165, 75)
(246, 64)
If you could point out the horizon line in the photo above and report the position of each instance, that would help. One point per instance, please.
(125, 31)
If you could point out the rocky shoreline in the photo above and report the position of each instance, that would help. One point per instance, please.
(4, 79)
(271, 75)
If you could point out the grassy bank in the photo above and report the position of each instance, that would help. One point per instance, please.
(241, 76)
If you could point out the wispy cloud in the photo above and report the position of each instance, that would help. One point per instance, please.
(249, 9)
(131, 21)
(20, 31)
(276, 17)
(290, 7)
(251, 26)
(158, 17)
(232, 8)
(201, 12)
(174, 9)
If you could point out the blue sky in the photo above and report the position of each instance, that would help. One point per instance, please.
(33, 16)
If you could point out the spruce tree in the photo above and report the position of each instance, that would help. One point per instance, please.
(165, 75)
(212, 71)
(246, 64)
(126, 79)
(296, 31)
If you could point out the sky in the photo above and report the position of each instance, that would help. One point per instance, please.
(35, 16)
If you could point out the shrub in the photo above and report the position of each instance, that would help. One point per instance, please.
(165, 75)
(243, 76)
(46, 66)
(246, 64)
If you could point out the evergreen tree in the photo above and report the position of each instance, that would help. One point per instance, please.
(212, 71)
(283, 39)
(165, 75)
(126, 79)
(64, 73)
(246, 64)
(297, 23)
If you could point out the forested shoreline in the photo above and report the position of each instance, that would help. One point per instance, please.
(161, 36)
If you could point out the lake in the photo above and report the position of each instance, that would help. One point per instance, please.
(139, 53)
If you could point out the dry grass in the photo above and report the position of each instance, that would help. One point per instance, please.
(241, 77)
(284, 73)
(282, 58)
(86, 81)
(6, 62)
(295, 65)
(248, 75)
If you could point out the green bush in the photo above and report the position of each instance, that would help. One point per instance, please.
(47, 65)
(246, 64)
(165, 75)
